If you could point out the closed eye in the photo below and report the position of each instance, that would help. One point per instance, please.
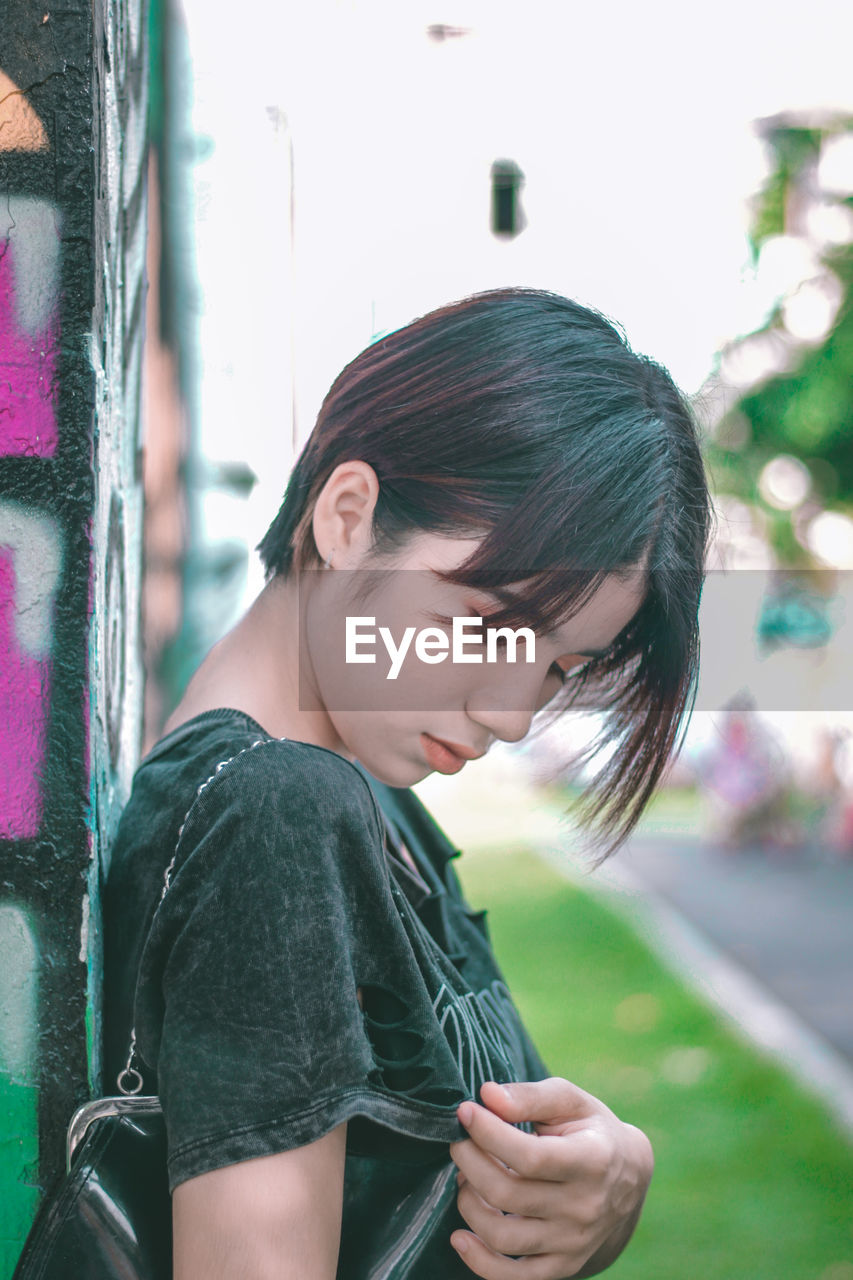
(571, 665)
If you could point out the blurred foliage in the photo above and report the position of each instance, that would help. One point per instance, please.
(809, 413)
(807, 410)
(794, 149)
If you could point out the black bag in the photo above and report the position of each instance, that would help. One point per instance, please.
(111, 1217)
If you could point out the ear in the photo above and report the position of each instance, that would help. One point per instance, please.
(342, 522)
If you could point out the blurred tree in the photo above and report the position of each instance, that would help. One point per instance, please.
(783, 440)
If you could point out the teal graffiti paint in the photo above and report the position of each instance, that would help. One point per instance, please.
(18, 1080)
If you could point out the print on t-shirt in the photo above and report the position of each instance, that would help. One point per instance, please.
(484, 1034)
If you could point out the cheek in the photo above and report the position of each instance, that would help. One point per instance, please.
(551, 686)
(394, 685)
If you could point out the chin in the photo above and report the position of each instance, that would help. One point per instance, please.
(396, 773)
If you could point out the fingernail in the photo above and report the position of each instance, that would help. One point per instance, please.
(460, 1243)
(465, 1113)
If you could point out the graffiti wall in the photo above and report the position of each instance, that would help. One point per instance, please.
(72, 291)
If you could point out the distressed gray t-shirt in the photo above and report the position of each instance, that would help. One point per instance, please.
(298, 974)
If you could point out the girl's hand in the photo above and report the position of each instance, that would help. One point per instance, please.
(559, 1202)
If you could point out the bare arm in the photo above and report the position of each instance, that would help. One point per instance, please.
(273, 1218)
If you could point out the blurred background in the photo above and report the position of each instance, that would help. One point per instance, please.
(328, 172)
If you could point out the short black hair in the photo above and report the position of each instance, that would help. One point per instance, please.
(526, 417)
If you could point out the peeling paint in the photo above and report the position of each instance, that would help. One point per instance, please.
(83, 954)
(20, 127)
(32, 228)
(18, 976)
(36, 546)
(30, 566)
(30, 248)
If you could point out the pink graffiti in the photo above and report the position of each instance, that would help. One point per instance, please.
(24, 706)
(28, 356)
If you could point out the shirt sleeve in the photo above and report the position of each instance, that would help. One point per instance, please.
(247, 1002)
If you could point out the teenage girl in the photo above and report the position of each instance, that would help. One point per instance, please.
(347, 1086)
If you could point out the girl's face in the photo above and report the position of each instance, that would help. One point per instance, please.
(377, 662)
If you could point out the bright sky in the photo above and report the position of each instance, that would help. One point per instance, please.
(632, 124)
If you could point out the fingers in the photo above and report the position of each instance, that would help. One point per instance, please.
(502, 1187)
(485, 1262)
(519, 1246)
(526, 1153)
(542, 1157)
(509, 1233)
(580, 1203)
(550, 1102)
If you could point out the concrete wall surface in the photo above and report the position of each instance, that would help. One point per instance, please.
(72, 296)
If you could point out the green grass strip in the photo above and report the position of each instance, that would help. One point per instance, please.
(753, 1180)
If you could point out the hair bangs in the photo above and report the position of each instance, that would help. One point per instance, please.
(643, 689)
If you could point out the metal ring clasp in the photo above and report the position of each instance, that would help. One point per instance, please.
(129, 1073)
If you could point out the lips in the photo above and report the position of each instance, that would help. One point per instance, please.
(446, 757)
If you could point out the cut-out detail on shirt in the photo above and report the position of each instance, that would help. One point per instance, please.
(382, 1007)
(398, 1047)
(400, 1052)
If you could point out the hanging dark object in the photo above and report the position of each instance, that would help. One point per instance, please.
(507, 214)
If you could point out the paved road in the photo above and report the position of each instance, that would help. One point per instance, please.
(786, 918)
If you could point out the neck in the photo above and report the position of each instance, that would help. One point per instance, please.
(255, 668)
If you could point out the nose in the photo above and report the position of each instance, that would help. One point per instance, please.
(510, 722)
